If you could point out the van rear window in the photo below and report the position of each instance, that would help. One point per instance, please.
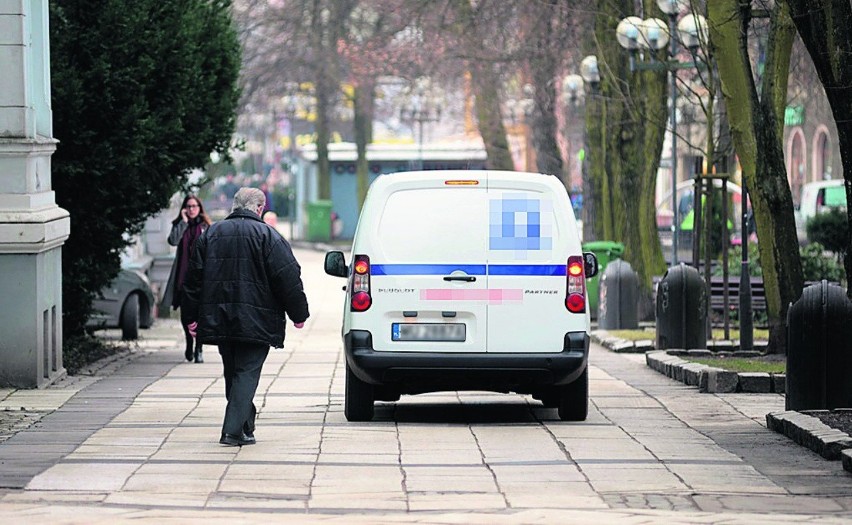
(835, 196)
(435, 225)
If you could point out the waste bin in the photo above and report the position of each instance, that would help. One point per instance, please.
(319, 220)
(681, 309)
(619, 297)
(819, 356)
(605, 251)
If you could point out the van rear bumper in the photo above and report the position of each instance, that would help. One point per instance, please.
(416, 372)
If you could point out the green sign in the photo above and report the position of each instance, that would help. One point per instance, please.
(794, 115)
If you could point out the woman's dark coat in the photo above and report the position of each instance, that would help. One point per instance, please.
(178, 229)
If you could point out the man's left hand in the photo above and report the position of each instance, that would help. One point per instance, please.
(192, 327)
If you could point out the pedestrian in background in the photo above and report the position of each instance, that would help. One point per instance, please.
(186, 229)
(243, 278)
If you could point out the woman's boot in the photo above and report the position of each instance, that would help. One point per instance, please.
(199, 357)
(188, 353)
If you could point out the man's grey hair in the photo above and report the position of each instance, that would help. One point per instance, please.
(248, 199)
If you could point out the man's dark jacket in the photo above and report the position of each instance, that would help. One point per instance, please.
(242, 279)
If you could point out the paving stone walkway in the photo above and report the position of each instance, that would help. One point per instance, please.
(139, 442)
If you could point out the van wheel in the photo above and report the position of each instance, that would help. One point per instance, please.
(574, 399)
(358, 399)
(129, 322)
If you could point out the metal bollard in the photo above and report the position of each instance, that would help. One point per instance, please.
(619, 297)
(681, 309)
(819, 349)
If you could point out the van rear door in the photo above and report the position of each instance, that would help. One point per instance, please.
(429, 278)
(532, 232)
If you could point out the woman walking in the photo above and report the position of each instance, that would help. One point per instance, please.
(186, 228)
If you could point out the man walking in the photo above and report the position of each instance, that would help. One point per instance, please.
(242, 280)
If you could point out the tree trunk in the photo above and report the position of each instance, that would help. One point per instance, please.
(487, 105)
(544, 125)
(485, 82)
(363, 109)
(826, 33)
(756, 130)
(626, 138)
(323, 135)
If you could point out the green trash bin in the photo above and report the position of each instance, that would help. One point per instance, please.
(319, 220)
(605, 251)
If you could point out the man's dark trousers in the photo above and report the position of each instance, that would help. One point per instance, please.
(242, 363)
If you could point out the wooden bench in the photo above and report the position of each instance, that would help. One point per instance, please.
(717, 296)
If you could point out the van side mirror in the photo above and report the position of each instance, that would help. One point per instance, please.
(590, 261)
(335, 264)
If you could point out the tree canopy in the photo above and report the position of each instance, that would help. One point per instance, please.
(142, 92)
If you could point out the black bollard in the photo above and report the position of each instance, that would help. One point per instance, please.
(681, 309)
(619, 297)
(819, 349)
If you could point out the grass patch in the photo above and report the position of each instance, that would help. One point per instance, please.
(759, 334)
(743, 364)
(634, 335)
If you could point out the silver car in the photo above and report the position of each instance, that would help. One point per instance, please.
(126, 303)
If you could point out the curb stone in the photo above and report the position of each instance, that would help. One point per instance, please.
(711, 379)
(621, 346)
(803, 429)
(810, 432)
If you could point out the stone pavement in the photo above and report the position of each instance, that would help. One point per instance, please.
(138, 441)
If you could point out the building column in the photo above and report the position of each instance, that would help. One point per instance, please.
(32, 227)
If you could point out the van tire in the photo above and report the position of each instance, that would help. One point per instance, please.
(129, 321)
(574, 399)
(358, 399)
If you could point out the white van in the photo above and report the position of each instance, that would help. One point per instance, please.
(818, 197)
(466, 280)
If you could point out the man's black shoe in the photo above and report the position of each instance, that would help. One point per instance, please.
(237, 441)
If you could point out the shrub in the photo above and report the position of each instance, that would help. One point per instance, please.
(81, 349)
(142, 92)
(735, 261)
(831, 230)
(816, 265)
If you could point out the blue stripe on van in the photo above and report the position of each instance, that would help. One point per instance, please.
(470, 269)
(526, 269)
(426, 269)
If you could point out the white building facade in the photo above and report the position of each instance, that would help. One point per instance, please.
(32, 226)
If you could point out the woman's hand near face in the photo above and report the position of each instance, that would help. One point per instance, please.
(184, 216)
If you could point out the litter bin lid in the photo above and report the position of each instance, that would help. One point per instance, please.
(604, 246)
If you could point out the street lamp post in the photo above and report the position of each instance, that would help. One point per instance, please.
(421, 109)
(296, 101)
(746, 320)
(636, 35)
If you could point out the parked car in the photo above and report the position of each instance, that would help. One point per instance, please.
(818, 197)
(466, 280)
(126, 303)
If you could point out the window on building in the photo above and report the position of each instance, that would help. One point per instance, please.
(822, 167)
(797, 167)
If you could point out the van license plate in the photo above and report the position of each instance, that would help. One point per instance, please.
(428, 332)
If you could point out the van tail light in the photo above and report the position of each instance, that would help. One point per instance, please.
(361, 299)
(575, 297)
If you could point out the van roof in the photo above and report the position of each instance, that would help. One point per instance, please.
(824, 183)
(437, 175)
